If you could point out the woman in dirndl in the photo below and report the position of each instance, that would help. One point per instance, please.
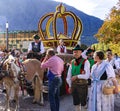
(101, 72)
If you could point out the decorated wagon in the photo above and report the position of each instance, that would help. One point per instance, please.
(48, 30)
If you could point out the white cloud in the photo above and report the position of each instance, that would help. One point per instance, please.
(98, 8)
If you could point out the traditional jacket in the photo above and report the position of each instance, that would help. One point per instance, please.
(36, 48)
(76, 67)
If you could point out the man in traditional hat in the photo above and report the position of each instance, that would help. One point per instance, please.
(36, 47)
(78, 74)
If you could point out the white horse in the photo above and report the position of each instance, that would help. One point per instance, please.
(11, 83)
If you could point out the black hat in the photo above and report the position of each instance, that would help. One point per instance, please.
(108, 50)
(89, 51)
(78, 47)
(36, 36)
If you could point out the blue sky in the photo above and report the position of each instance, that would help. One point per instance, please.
(97, 8)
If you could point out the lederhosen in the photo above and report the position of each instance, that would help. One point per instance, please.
(36, 49)
(79, 86)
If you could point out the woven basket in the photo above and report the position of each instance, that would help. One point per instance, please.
(118, 79)
(108, 88)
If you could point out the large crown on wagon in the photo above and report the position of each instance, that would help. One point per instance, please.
(50, 24)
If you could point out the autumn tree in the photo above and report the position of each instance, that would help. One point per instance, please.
(110, 30)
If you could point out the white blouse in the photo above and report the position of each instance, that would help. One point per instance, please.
(59, 48)
(114, 62)
(109, 69)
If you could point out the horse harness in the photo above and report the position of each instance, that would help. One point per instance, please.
(21, 76)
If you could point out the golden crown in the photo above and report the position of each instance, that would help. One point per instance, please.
(50, 19)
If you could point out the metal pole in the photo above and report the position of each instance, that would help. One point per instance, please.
(7, 35)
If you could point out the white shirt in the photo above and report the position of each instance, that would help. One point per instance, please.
(118, 60)
(114, 62)
(84, 54)
(41, 47)
(109, 69)
(80, 76)
(59, 48)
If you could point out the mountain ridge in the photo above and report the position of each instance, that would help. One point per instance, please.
(25, 15)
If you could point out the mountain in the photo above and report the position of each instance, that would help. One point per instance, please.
(25, 15)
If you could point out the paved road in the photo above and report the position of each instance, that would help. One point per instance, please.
(65, 104)
(26, 104)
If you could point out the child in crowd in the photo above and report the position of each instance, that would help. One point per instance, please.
(61, 48)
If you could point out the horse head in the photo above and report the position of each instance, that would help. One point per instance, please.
(4, 70)
(11, 67)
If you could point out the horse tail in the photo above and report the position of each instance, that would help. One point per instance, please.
(37, 88)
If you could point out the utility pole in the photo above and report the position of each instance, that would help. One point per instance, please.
(7, 35)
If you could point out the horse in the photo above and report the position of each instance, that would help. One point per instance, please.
(35, 74)
(32, 73)
(11, 84)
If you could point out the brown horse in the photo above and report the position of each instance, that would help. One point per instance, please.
(35, 74)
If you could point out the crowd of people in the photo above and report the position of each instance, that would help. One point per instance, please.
(86, 74)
